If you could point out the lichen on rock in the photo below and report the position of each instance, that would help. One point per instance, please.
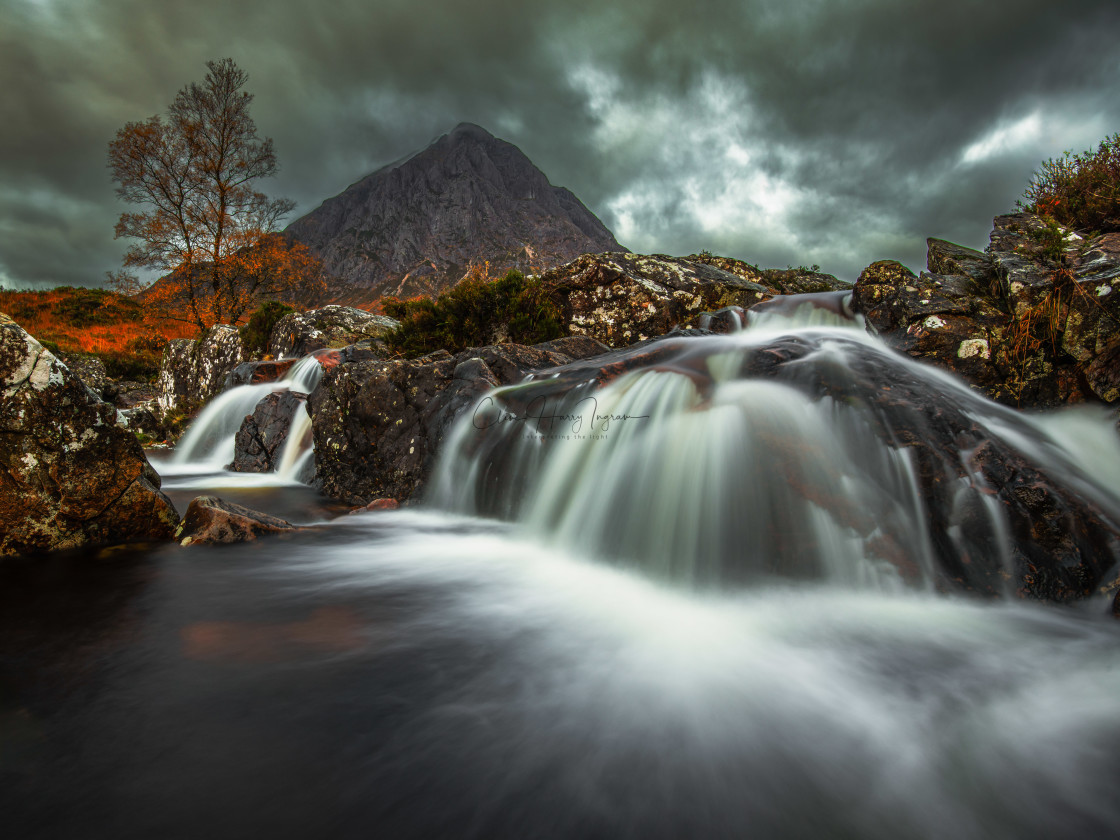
(69, 475)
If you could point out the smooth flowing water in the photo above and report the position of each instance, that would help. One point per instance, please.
(584, 665)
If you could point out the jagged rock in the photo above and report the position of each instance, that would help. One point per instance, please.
(91, 371)
(261, 438)
(1033, 323)
(418, 225)
(193, 372)
(945, 319)
(1091, 327)
(213, 521)
(944, 257)
(379, 424)
(300, 333)
(258, 372)
(69, 475)
(619, 299)
(1024, 270)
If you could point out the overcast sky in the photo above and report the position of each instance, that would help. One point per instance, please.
(835, 132)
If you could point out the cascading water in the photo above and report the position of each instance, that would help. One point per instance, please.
(208, 444)
(801, 447)
(761, 655)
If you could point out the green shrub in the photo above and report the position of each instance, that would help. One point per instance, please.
(475, 312)
(1081, 191)
(255, 333)
(133, 367)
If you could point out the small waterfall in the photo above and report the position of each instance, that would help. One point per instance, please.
(800, 448)
(208, 445)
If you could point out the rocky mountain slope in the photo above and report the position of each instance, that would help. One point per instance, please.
(416, 226)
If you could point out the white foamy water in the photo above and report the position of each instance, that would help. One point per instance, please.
(208, 445)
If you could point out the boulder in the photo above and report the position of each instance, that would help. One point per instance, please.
(299, 333)
(260, 440)
(620, 299)
(379, 424)
(213, 521)
(194, 371)
(70, 475)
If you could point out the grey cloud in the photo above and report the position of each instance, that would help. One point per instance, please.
(854, 115)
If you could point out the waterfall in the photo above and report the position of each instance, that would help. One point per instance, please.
(800, 447)
(208, 444)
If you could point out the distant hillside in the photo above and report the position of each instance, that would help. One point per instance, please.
(416, 226)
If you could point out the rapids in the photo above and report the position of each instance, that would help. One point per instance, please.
(674, 626)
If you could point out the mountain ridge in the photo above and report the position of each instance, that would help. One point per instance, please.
(417, 225)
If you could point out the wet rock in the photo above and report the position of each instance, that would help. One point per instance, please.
(69, 475)
(213, 521)
(620, 299)
(1061, 542)
(192, 372)
(300, 333)
(574, 347)
(727, 320)
(379, 424)
(997, 517)
(378, 504)
(260, 440)
(257, 372)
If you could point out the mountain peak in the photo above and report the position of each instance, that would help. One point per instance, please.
(418, 225)
(470, 131)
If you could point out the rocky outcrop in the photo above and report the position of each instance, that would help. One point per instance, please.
(194, 371)
(260, 440)
(213, 521)
(69, 475)
(299, 333)
(379, 424)
(620, 299)
(946, 319)
(1034, 322)
(418, 225)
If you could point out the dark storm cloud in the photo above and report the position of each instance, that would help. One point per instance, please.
(828, 132)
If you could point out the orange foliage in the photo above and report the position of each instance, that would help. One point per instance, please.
(275, 268)
(86, 320)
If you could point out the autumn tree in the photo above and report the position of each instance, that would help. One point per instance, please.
(193, 174)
